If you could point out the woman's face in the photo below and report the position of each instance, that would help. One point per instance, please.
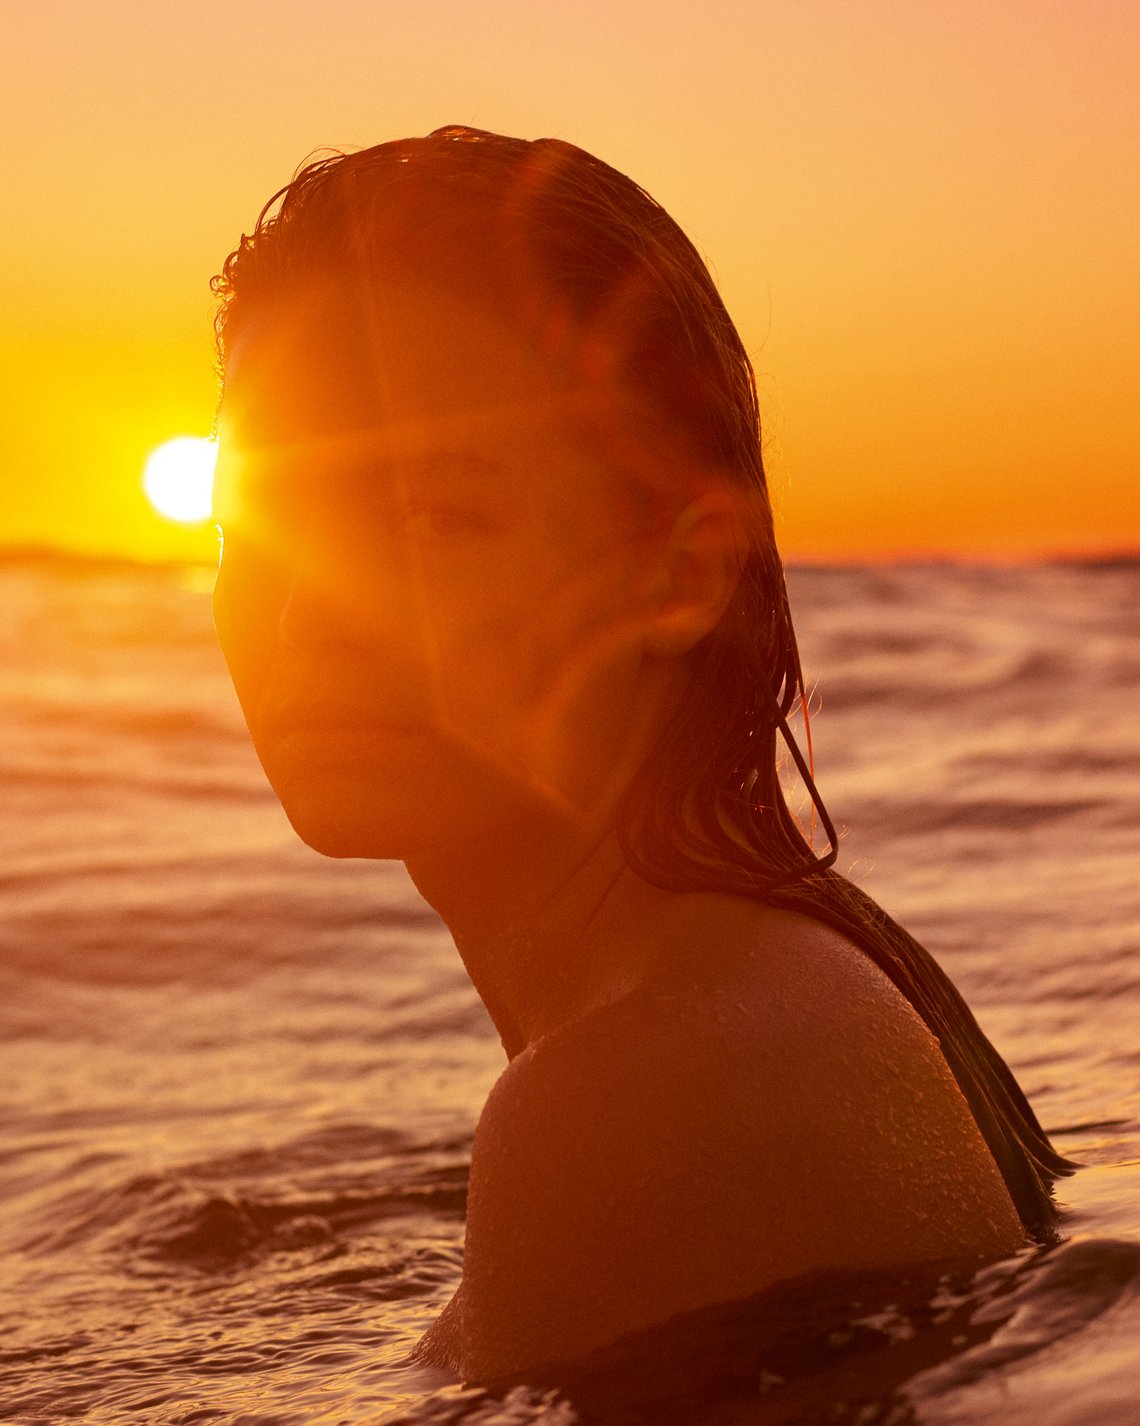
(431, 598)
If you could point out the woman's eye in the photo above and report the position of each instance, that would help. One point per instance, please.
(440, 522)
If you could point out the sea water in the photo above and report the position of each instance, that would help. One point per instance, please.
(238, 1082)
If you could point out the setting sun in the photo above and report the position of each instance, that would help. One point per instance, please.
(179, 478)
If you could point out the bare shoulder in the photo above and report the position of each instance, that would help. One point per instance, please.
(736, 1121)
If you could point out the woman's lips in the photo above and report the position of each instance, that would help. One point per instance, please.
(322, 730)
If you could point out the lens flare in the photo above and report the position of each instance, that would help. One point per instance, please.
(179, 478)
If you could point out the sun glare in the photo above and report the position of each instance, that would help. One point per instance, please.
(179, 478)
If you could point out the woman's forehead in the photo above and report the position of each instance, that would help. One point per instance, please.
(416, 378)
(331, 363)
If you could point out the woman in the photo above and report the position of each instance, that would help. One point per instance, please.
(500, 598)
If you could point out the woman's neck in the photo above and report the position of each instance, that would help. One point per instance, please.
(548, 926)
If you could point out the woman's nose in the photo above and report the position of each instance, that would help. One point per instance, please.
(311, 620)
(339, 610)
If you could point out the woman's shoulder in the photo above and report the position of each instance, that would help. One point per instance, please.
(752, 1021)
(763, 1105)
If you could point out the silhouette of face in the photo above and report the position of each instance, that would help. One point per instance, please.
(430, 593)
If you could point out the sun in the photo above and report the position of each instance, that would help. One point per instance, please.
(179, 478)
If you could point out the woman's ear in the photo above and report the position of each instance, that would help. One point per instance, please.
(699, 568)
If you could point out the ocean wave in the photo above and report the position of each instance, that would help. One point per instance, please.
(309, 1193)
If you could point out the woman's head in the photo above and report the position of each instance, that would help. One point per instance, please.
(611, 304)
(557, 242)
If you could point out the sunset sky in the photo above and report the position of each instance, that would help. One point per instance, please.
(923, 216)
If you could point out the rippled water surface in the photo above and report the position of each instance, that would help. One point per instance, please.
(238, 1082)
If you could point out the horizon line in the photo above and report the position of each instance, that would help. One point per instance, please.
(38, 552)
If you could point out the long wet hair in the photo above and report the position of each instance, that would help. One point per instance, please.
(588, 262)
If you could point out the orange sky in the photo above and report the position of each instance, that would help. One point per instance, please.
(923, 216)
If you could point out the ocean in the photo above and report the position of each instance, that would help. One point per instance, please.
(238, 1082)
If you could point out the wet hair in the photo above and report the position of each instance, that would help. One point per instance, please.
(601, 276)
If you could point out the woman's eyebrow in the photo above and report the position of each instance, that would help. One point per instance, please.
(404, 475)
(369, 455)
(446, 465)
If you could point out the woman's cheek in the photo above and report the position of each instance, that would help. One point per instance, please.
(248, 598)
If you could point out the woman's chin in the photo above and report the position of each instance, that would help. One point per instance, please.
(345, 843)
(341, 827)
(449, 807)
(373, 824)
